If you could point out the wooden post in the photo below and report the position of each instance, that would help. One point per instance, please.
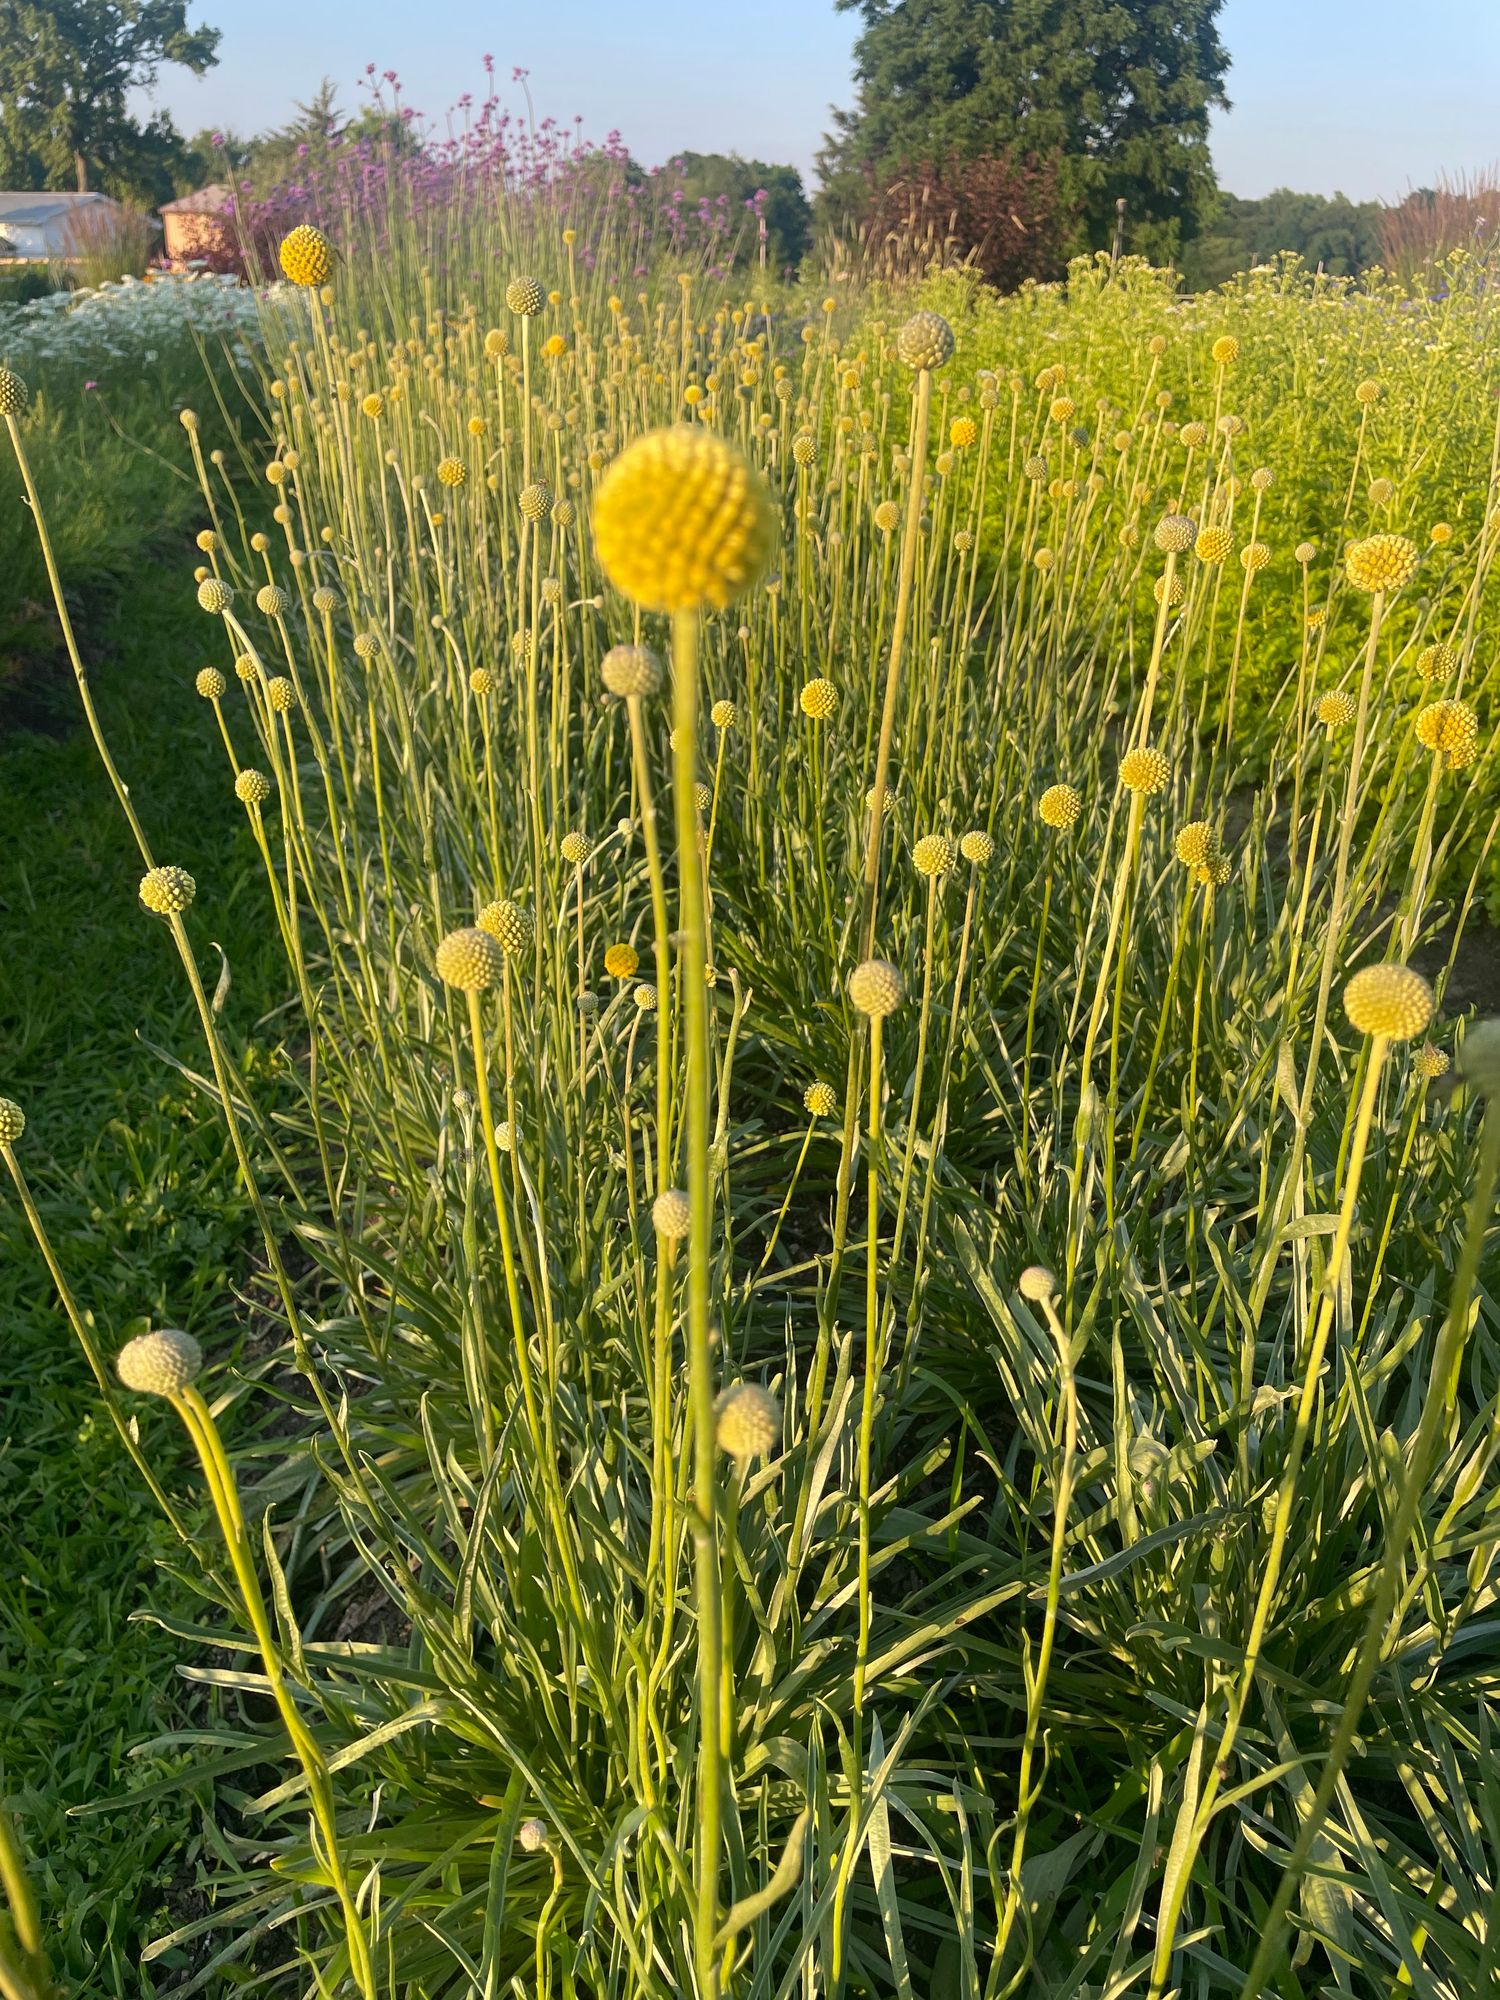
(1119, 248)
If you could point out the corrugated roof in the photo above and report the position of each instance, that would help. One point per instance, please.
(34, 209)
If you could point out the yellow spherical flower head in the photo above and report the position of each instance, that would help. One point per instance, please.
(631, 672)
(373, 405)
(682, 521)
(1389, 1000)
(554, 347)
(1452, 728)
(1059, 807)
(13, 1121)
(820, 1100)
(977, 847)
(747, 1422)
(1193, 435)
(1043, 560)
(272, 601)
(469, 959)
(574, 848)
(511, 925)
(1197, 843)
(282, 694)
(963, 432)
(14, 395)
(1437, 662)
(1380, 562)
(1225, 349)
(481, 682)
(167, 891)
(1440, 534)
(1430, 1063)
(621, 960)
(1174, 596)
(252, 788)
(452, 471)
(1367, 392)
(1144, 772)
(934, 854)
(307, 256)
(214, 594)
(535, 501)
(1254, 557)
(876, 988)
(1336, 709)
(210, 683)
(646, 997)
(818, 699)
(1174, 533)
(804, 448)
(887, 517)
(671, 1215)
(723, 715)
(1061, 409)
(163, 1363)
(525, 297)
(1382, 492)
(925, 341)
(1213, 544)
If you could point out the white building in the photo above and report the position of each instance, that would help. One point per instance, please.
(34, 226)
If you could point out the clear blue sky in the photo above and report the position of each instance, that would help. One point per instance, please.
(1368, 96)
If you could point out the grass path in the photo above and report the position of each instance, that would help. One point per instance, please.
(132, 1176)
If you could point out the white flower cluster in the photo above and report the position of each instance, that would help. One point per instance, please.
(132, 322)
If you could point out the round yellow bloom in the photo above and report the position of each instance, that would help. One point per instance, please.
(13, 1120)
(1440, 534)
(670, 1215)
(1043, 560)
(1174, 596)
(14, 395)
(496, 344)
(1034, 467)
(525, 297)
(1381, 562)
(819, 699)
(1367, 392)
(554, 346)
(481, 682)
(977, 847)
(1213, 544)
(282, 694)
(452, 471)
(1430, 1063)
(272, 600)
(820, 1100)
(1059, 807)
(1197, 843)
(963, 432)
(511, 925)
(934, 854)
(535, 501)
(1437, 662)
(632, 672)
(163, 1363)
(1262, 478)
(307, 256)
(1193, 435)
(723, 715)
(1037, 1284)
(574, 848)
(1144, 771)
(214, 594)
(167, 891)
(645, 998)
(1225, 349)
(887, 516)
(1061, 408)
(252, 788)
(1174, 533)
(1382, 492)
(1254, 556)
(876, 988)
(747, 1422)
(804, 448)
(682, 520)
(1452, 728)
(469, 959)
(1335, 709)
(373, 405)
(621, 960)
(1304, 552)
(926, 341)
(210, 683)
(1389, 1000)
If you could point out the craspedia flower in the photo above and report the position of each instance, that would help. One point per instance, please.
(887, 517)
(723, 715)
(703, 797)
(1367, 392)
(307, 256)
(13, 1121)
(1382, 492)
(282, 694)
(1174, 533)
(1215, 872)
(1144, 771)
(621, 960)
(632, 672)
(1440, 534)
(210, 683)
(1174, 596)
(818, 699)
(1380, 562)
(1043, 560)
(481, 682)
(214, 594)
(252, 788)
(1389, 1000)
(1335, 709)
(535, 501)
(373, 405)
(646, 997)
(1254, 556)
(1059, 807)
(818, 1098)
(452, 471)
(326, 600)
(1061, 409)
(167, 891)
(525, 297)
(14, 395)
(574, 848)
(163, 1363)
(366, 645)
(469, 959)
(1196, 844)
(963, 541)
(977, 847)
(1225, 349)
(682, 520)
(804, 448)
(1430, 1063)
(1213, 544)
(1452, 728)
(247, 667)
(496, 344)
(511, 925)
(876, 988)
(671, 1216)
(747, 1422)
(1437, 662)
(1192, 435)
(531, 1836)
(934, 854)
(1037, 1284)
(926, 341)
(272, 601)
(1262, 479)
(962, 432)
(1034, 467)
